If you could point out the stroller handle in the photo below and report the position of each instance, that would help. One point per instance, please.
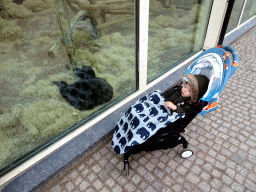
(235, 55)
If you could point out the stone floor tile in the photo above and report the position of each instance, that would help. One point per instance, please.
(150, 189)
(69, 186)
(204, 186)
(90, 190)
(78, 180)
(117, 188)
(144, 185)
(130, 187)
(237, 187)
(56, 188)
(226, 188)
(137, 178)
(84, 185)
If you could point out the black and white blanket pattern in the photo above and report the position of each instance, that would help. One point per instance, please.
(141, 121)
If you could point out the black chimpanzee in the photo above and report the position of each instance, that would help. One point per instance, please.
(88, 92)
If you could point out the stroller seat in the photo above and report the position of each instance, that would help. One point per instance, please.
(135, 132)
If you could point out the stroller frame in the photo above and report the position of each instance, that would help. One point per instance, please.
(223, 62)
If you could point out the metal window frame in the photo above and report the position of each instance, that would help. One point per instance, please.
(143, 43)
(242, 13)
(240, 26)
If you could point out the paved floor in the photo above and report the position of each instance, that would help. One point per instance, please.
(224, 144)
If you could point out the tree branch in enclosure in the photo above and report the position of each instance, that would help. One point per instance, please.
(61, 6)
(55, 49)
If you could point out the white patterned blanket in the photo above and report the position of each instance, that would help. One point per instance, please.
(141, 121)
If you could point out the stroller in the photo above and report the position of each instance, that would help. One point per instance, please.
(148, 125)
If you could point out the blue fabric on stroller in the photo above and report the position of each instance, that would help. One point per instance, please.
(148, 115)
(216, 64)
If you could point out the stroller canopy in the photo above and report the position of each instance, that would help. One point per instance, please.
(216, 64)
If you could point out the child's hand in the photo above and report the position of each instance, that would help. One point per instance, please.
(170, 105)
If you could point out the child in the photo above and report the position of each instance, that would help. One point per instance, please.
(181, 97)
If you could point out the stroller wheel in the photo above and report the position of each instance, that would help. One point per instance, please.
(186, 153)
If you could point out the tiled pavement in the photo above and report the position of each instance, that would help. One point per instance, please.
(224, 145)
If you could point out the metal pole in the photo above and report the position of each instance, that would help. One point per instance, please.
(226, 21)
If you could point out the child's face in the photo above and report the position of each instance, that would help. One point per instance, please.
(186, 91)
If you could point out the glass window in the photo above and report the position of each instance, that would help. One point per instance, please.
(42, 95)
(176, 31)
(235, 15)
(249, 10)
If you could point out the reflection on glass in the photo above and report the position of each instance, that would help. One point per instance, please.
(249, 10)
(235, 15)
(176, 30)
(42, 95)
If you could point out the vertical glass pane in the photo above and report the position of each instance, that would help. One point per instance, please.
(235, 15)
(249, 10)
(176, 31)
(42, 95)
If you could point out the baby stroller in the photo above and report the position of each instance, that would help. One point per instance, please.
(148, 125)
